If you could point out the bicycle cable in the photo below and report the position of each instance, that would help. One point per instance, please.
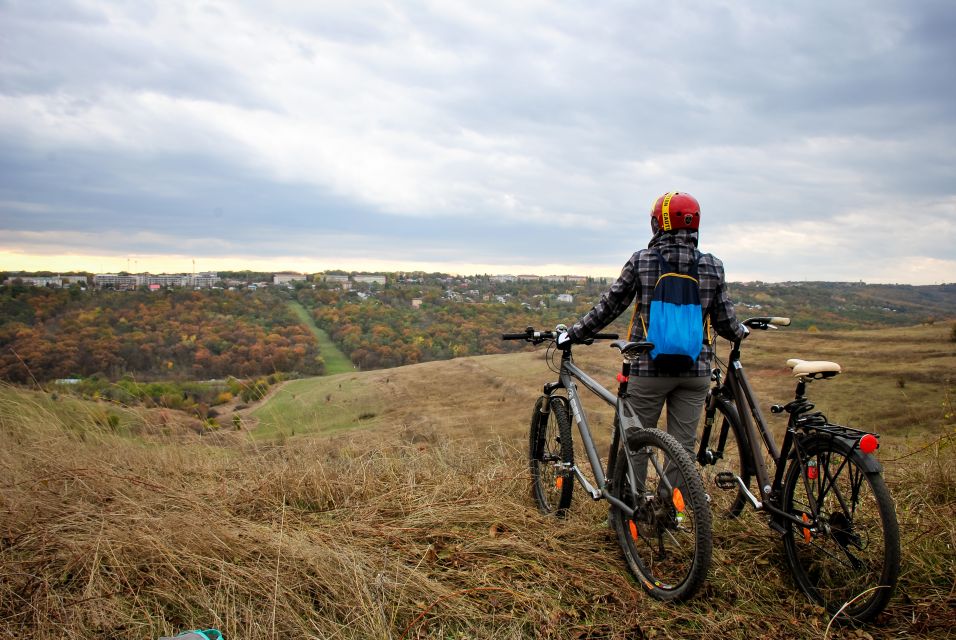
(552, 350)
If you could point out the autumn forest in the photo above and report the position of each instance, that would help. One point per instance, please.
(182, 334)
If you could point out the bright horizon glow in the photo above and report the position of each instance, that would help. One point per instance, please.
(926, 274)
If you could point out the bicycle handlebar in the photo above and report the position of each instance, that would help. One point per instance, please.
(766, 322)
(532, 335)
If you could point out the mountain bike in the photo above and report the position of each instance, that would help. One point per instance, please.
(823, 491)
(658, 507)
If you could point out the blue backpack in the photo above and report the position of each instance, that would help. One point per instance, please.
(676, 319)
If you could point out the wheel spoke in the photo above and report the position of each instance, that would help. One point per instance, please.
(850, 545)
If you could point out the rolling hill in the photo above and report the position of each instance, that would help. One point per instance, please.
(394, 504)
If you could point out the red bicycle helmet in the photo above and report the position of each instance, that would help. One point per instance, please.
(675, 210)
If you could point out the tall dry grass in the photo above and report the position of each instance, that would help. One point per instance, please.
(420, 528)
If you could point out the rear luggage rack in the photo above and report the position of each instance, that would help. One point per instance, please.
(817, 423)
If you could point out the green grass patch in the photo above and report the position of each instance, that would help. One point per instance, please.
(335, 360)
(320, 405)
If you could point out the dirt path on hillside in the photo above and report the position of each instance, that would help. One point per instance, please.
(236, 407)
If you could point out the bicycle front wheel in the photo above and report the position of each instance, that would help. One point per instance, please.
(667, 541)
(551, 455)
(847, 558)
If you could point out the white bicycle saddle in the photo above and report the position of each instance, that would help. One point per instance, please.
(813, 368)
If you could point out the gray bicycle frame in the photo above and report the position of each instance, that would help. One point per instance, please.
(625, 420)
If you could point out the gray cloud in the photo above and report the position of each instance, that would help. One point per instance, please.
(507, 134)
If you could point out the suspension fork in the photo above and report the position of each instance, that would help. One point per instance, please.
(704, 457)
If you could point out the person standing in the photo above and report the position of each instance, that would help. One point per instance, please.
(675, 222)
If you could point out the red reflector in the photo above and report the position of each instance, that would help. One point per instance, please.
(812, 473)
(621, 377)
(869, 443)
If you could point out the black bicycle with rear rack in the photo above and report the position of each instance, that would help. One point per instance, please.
(824, 491)
(658, 506)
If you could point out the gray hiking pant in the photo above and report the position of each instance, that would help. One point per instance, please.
(684, 398)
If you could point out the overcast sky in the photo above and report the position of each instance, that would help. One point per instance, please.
(478, 137)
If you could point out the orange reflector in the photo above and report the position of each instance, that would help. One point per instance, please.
(559, 482)
(633, 530)
(806, 532)
(678, 500)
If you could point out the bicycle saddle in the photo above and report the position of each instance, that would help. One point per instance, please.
(813, 368)
(632, 349)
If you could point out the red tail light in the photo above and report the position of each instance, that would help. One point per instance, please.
(869, 443)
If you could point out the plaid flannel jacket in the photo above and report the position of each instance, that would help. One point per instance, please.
(636, 283)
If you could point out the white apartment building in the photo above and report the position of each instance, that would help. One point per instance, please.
(48, 281)
(115, 281)
(286, 277)
(205, 279)
(369, 279)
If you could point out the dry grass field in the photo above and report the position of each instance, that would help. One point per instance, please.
(395, 504)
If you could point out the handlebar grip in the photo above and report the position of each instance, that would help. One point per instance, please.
(783, 322)
(515, 336)
(605, 336)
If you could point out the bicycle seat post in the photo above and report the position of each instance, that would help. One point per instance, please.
(801, 391)
(622, 378)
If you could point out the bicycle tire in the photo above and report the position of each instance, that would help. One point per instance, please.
(669, 555)
(735, 458)
(821, 559)
(551, 456)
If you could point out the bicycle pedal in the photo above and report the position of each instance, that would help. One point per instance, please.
(725, 480)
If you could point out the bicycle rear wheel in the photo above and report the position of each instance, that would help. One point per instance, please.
(667, 542)
(551, 455)
(847, 558)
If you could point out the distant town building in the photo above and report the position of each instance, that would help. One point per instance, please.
(568, 279)
(529, 278)
(368, 278)
(332, 278)
(416, 303)
(164, 280)
(285, 277)
(47, 281)
(565, 297)
(203, 280)
(115, 281)
(504, 278)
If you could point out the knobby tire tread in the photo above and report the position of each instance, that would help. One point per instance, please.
(541, 489)
(702, 517)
